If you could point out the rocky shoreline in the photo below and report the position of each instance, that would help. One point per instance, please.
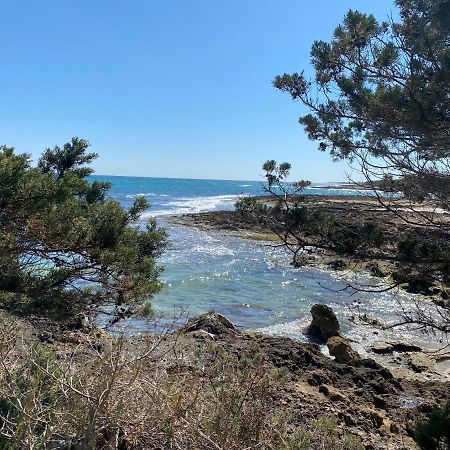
(350, 210)
(362, 397)
(404, 359)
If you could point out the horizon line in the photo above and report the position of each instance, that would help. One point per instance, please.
(206, 179)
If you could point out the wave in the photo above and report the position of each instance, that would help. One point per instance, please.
(293, 330)
(141, 194)
(336, 191)
(146, 194)
(193, 205)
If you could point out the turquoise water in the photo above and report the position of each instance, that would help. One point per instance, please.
(177, 196)
(250, 282)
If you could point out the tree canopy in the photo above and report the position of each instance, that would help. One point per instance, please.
(64, 245)
(381, 97)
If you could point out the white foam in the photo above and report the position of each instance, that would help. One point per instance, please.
(141, 194)
(218, 250)
(212, 246)
(193, 205)
(293, 330)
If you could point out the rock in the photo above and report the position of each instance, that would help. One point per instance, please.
(332, 393)
(379, 402)
(377, 418)
(81, 322)
(374, 270)
(419, 362)
(383, 348)
(212, 323)
(324, 323)
(204, 335)
(341, 349)
(337, 264)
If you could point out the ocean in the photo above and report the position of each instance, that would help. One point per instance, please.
(250, 282)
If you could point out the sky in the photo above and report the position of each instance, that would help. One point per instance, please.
(168, 88)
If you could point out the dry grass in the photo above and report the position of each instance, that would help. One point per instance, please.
(118, 399)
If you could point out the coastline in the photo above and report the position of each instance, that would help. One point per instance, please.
(348, 210)
(378, 405)
(351, 208)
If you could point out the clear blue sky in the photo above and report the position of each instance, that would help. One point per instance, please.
(176, 88)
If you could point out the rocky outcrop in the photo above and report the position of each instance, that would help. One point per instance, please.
(341, 349)
(212, 323)
(324, 323)
(337, 264)
(374, 269)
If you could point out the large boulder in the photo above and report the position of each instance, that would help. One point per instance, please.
(211, 322)
(341, 349)
(324, 323)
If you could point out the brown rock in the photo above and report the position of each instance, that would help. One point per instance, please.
(341, 349)
(324, 323)
(212, 323)
(419, 362)
(382, 348)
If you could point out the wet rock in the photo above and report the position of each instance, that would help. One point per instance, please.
(383, 348)
(341, 349)
(442, 302)
(324, 323)
(211, 322)
(337, 264)
(415, 284)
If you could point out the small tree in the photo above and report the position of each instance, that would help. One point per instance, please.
(64, 245)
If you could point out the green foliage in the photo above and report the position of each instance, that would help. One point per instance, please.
(275, 173)
(289, 216)
(380, 96)
(64, 245)
(434, 433)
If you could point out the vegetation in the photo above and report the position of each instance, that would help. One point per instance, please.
(434, 433)
(381, 95)
(302, 228)
(118, 397)
(380, 99)
(65, 247)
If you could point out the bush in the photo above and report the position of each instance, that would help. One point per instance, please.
(124, 398)
(434, 433)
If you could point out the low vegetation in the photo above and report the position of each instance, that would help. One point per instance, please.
(111, 397)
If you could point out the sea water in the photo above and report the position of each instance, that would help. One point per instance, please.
(251, 282)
